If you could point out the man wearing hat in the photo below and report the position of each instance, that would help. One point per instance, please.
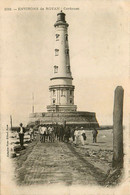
(21, 131)
(94, 132)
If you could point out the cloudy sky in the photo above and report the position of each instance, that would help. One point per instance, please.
(99, 50)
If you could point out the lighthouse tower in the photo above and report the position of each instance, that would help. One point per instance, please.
(61, 89)
(62, 109)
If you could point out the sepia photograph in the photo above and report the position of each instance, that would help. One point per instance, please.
(65, 71)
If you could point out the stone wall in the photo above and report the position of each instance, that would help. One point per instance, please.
(85, 119)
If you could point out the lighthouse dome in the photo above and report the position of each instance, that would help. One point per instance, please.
(61, 19)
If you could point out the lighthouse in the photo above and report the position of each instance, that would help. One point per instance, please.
(62, 109)
(61, 88)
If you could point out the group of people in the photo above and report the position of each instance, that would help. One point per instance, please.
(51, 133)
(46, 132)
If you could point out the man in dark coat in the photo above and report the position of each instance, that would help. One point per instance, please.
(21, 131)
(94, 132)
(61, 133)
(67, 134)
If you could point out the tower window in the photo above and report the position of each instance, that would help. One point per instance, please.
(56, 52)
(62, 92)
(57, 37)
(71, 92)
(67, 51)
(54, 92)
(55, 69)
(66, 37)
(68, 68)
(54, 101)
(70, 101)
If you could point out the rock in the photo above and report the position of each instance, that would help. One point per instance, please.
(13, 155)
(87, 154)
(17, 142)
(94, 153)
(109, 161)
(102, 158)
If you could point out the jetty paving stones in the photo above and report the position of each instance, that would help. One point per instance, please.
(65, 163)
(53, 163)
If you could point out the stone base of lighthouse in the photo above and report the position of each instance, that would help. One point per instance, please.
(62, 108)
(77, 118)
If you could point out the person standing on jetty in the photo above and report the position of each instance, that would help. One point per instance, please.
(43, 132)
(21, 131)
(94, 132)
(51, 133)
(31, 133)
(40, 133)
(78, 136)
